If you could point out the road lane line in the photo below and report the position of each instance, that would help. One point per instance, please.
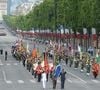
(1, 64)
(32, 81)
(15, 64)
(69, 80)
(5, 78)
(20, 81)
(95, 81)
(9, 82)
(8, 64)
(76, 77)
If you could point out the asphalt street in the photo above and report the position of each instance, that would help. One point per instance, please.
(13, 76)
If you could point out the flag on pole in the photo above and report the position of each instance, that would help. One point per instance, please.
(79, 48)
(27, 47)
(46, 64)
(85, 30)
(98, 57)
(34, 53)
(57, 71)
(93, 31)
(94, 35)
(78, 35)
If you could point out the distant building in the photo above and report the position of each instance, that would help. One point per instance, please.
(3, 8)
(9, 4)
(23, 8)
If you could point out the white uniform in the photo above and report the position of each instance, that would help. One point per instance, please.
(44, 79)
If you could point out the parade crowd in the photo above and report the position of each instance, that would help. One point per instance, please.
(47, 64)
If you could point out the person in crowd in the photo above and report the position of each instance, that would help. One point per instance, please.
(54, 82)
(54, 79)
(95, 69)
(66, 59)
(44, 79)
(39, 71)
(6, 55)
(1, 51)
(63, 78)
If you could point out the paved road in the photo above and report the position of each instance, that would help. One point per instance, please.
(13, 76)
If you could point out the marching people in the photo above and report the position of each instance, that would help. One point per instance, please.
(63, 78)
(44, 79)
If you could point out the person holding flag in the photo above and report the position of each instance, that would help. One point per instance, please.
(39, 71)
(57, 73)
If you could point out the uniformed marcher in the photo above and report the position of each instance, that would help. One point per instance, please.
(63, 78)
(88, 68)
(95, 69)
(71, 62)
(39, 71)
(66, 60)
(54, 82)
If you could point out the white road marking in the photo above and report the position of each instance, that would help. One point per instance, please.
(69, 80)
(1, 64)
(95, 81)
(8, 64)
(9, 82)
(20, 81)
(32, 81)
(77, 77)
(15, 64)
(5, 78)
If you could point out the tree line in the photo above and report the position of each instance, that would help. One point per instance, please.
(71, 14)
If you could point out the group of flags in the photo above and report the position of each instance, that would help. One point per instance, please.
(46, 65)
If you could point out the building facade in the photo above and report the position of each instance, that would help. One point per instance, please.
(3, 8)
(23, 8)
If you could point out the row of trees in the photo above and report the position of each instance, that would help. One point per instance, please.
(75, 14)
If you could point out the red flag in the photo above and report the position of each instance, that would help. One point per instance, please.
(34, 53)
(46, 64)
